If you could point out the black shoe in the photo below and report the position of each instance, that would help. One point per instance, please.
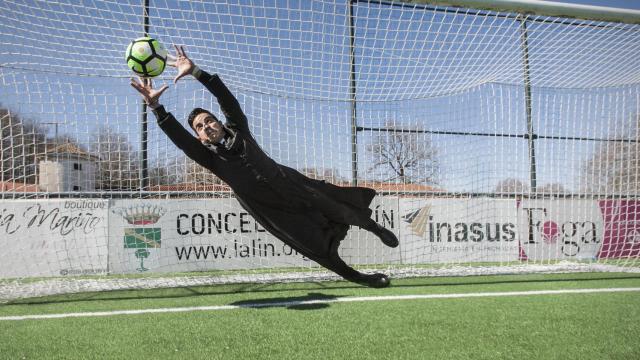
(387, 236)
(376, 280)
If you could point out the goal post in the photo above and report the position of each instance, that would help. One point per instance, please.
(541, 8)
(501, 137)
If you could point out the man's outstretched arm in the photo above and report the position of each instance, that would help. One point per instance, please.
(168, 123)
(228, 102)
(191, 146)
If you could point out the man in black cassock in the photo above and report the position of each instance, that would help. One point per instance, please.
(309, 215)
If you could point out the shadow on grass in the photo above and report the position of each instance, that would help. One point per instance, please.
(230, 289)
(311, 301)
(183, 292)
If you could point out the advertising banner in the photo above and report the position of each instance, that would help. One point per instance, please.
(560, 229)
(363, 247)
(53, 237)
(214, 234)
(621, 237)
(85, 237)
(191, 235)
(458, 230)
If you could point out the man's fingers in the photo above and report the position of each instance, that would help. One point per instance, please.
(180, 50)
(170, 56)
(162, 89)
(141, 90)
(179, 76)
(136, 85)
(171, 63)
(142, 82)
(134, 81)
(145, 88)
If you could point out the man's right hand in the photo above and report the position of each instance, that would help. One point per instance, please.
(182, 62)
(145, 88)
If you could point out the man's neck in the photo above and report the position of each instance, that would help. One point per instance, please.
(222, 142)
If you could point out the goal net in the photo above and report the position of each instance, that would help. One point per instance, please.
(498, 140)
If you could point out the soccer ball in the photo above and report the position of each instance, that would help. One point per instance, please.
(146, 57)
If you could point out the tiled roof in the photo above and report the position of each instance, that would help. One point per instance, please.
(67, 150)
(8, 186)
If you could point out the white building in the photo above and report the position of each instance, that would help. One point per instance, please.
(67, 168)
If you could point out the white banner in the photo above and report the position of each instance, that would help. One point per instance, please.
(363, 247)
(76, 237)
(217, 234)
(53, 237)
(560, 229)
(191, 235)
(458, 230)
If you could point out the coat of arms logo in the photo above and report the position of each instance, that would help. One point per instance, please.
(143, 235)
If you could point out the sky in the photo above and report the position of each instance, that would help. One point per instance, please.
(290, 71)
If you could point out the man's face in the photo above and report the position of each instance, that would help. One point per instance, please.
(207, 128)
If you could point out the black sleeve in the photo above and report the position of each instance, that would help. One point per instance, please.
(228, 103)
(191, 146)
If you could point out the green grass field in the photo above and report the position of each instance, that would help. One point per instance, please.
(600, 325)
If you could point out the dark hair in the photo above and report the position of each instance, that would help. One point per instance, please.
(197, 111)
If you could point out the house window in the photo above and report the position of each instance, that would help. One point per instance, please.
(77, 166)
(76, 188)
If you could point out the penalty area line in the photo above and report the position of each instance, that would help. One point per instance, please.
(314, 302)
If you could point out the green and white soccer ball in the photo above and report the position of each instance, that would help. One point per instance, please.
(146, 57)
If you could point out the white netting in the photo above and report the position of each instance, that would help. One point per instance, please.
(493, 138)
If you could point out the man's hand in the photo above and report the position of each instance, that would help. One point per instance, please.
(182, 62)
(145, 88)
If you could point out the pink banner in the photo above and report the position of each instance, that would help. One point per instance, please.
(621, 229)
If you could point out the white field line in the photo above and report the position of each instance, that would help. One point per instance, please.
(317, 301)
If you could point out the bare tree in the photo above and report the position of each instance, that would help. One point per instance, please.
(196, 174)
(163, 175)
(404, 155)
(512, 185)
(552, 188)
(22, 140)
(118, 160)
(615, 165)
(180, 170)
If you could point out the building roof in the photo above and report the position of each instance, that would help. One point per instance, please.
(383, 188)
(8, 186)
(378, 186)
(186, 187)
(66, 151)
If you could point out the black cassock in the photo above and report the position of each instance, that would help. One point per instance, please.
(309, 215)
